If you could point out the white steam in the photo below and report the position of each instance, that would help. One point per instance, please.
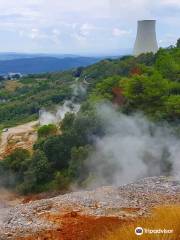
(132, 148)
(46, 117)
(79, 89)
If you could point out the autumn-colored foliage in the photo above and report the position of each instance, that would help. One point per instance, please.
(118, 95)
(136, 71)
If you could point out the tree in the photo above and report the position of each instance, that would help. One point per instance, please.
(146, 58)
(16, 159)
(178, 43)
(77, 169)
(173, 107)
(67, 122)
(147, 94)
(38, 173)
(62, 180)
(12, 168)
(58, 150)
(47, 130)
(167, 65)
(78, 72)
(104, 89)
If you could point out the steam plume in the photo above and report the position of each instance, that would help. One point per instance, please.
(46, 117)
(132, 147)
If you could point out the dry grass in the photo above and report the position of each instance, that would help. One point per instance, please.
(161, 218)
(12, 85)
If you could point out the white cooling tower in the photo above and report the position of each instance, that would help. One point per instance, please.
(146, 37)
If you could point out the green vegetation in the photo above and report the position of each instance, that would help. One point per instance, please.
(34, 93)
(153, 91)
(47, 130)
(55, 158)
(149, 84)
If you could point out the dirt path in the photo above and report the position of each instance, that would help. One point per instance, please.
(22, 136)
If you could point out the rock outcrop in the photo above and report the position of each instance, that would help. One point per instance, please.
(77, 215)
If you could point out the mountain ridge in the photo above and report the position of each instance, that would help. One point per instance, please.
(44, 64)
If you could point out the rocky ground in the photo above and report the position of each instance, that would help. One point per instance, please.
(79, 215)
(21, 136)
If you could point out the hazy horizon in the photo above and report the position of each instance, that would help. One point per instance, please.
(121, 52)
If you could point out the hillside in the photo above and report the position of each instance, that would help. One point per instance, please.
(128, 103)
(43, 64)
(91, 214)
(47, 90)
(107, 124)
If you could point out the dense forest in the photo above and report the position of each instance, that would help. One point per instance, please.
(149, 84)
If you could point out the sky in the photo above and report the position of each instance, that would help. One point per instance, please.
(86, 27)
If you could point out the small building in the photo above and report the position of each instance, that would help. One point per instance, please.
(14, 76)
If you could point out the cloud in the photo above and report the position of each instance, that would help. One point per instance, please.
(168, 39)
(117, 32)
(34, 33)
(81, 32)
(86, 28)
(175, 3)
(78, 23)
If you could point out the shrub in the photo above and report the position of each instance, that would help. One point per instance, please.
(47, 130)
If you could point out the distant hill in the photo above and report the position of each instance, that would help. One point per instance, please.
(44, 64)
(14, 55)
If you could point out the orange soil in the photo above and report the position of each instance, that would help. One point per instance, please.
(72, 226)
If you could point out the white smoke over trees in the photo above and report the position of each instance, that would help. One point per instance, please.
(46, 117)
(131, 148)
(79, 90)
(69, 106)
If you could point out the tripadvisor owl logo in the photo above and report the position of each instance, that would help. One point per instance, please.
(139, 231)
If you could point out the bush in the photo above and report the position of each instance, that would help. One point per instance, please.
(61, 181)
(47, 130)
(77, 169)
(38, 173)
(13, 167)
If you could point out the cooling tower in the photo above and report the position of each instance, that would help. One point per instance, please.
(146, 37)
